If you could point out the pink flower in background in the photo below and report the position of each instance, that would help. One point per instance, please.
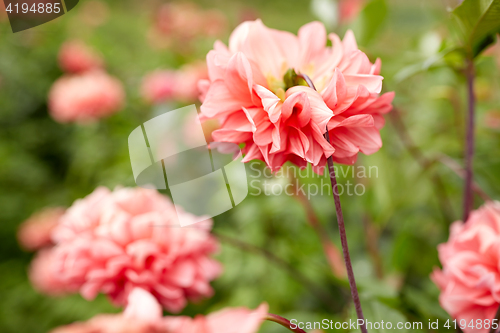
(192, 124)
(214, 22)
(76, 57)
(349, 9)
(188, 76)
(113, 242)
(158, 86)
(179, 20)
(280, 119)
(230, 320)
(143, 315)
(177, 85)
(184, 21)
(93, 13)
(86, 97)
(492, 119)
(470, 278)
(35, 232)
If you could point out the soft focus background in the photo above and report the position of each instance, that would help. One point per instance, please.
(393, 228)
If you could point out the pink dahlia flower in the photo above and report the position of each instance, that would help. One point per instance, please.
(86, 97)
(35, 232)
(253, 91)
(470, 278)
(143, 315)
(76, 57)
(113, 242)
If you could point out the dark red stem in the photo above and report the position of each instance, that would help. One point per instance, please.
(283, 322)
(343, 240)
(340, 222)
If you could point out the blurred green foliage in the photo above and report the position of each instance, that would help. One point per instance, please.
(393, 229)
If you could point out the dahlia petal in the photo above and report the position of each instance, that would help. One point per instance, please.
(252, 153)
(312, 37)
(318, 137)
(262, 47)
(367, 139)
(220, 101)
(238, 75)
(320, 113)
(270, 102)
(349, 42)
(336, 90)
(216, 65)
(361, 120)
(239, 121)
(371, 82)
(358, 63)
(297, 100)
(276, 140)
(104, 248)
(264, 134)
(237, 320)
(297, 141)
(238, 37)
(182, 274)
(143, 306)
(375, 70)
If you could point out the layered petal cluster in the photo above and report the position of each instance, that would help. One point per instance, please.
(113, 242)
(76, 57)
(143, 315)
(470, 278)
(35, 232)
(85, 97)
(279, 119)
(178, 85)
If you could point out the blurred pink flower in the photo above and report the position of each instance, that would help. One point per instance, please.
(143, 315)
(34, 233)
(184, 21)
(191, 125)
(349, 9)
(112, 242)
(214, 22)
(93, 13)
(85, 97)
(76, 57)
(281, 121)
(492, 119)
(470, 278)
(229, 320)
(159, 86)
(188, 76)
(179, 85)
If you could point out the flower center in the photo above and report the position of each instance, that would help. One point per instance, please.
(280, 86)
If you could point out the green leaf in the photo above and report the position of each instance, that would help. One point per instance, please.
(372, 19)
(480, 21)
